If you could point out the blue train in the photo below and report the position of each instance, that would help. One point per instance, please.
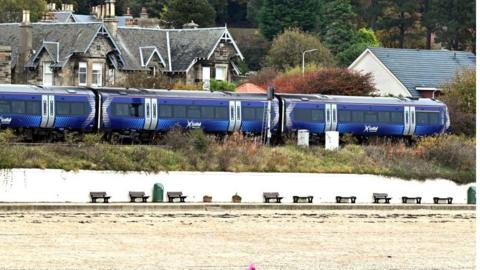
(52, 112)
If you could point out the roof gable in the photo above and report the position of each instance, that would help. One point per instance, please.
(423, 68)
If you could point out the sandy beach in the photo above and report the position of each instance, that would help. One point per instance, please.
(218, 239)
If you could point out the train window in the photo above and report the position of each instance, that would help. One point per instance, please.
(127, 109)
(78, 108)
(136, 110)
(18, 107)
(259, 114)
(193, 112)
(165, 111)
(357, 116)
(33, 107)
(208, 112)
(4, 106)
(371, 117)
(434, 118)
(344, 116)
(62, 108)
(179, 111)
(384, 117)
(221, 113)
(396, 117)
(427, 118)
(302, 114)
(248, 113)
(309, 115)
(318, 115)
(71, 108)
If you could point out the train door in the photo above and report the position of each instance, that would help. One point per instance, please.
(330, 117)
(235, 115)
(48, 111)
(409, 120)
(151, 114)
(238, 115)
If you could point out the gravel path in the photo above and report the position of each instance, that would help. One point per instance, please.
(346, 239)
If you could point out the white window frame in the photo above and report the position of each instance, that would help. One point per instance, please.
(111, 76)
(47, 71)
(80, 66)
(225, 70)
(97, 70)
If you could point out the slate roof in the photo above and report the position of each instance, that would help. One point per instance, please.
(69, 16)
(423, 68)
(178, 49)
(72, 38)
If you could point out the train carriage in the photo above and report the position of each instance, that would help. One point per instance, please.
(43, 110)
(152, 111)
(365, 116)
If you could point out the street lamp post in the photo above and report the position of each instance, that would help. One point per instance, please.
(303, 59)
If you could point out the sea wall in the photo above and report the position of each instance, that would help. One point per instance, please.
(35, 185)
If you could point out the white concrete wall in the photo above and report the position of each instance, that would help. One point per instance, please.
(384, 82)
(35, 185)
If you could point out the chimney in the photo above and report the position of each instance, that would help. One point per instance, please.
(51, 7)
(128, 12)
(110, 19)
(144, 13)
(25, 47)
(190, 25)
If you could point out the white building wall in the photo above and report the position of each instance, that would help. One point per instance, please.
(385, 82)
(35, 185)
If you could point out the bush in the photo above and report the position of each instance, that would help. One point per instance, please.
(7, 136)
(460, 98)
(145, 80)
(221, 86)
(264, 77)
(328, 81)
(452, 151)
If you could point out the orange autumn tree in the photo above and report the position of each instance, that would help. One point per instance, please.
(327, 81)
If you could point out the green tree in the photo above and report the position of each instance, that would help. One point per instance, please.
(253, 8)
(460, 97)
(276, 15)
(454, 22)
(180, 12)
(399, 21)
(364, 38)
(287, 48)
(11, 10)
(336, 24)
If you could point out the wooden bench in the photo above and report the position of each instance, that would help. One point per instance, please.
(137, 195)
(340, 198)
(175, 195)
(418, 200)
(309, 199)
(381, 196)
(272, 196)
(448, 200)
(99, 195)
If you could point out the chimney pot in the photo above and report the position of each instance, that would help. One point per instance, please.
(144, 13)
(26, 17)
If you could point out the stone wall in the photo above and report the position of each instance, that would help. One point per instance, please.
(5, 64)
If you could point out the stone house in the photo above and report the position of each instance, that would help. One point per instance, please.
(411, 72)
(103, 53)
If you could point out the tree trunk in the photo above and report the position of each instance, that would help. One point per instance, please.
(428, 43)
(402, 29)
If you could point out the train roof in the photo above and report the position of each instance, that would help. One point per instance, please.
(35, 89)
(362, 99)
(181, 93)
